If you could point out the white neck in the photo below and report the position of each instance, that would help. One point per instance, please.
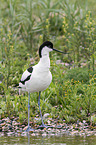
(44, 63)
(45, 53)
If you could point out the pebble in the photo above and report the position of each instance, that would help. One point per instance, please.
(2, 124)
(10, 133)
(46, 115)
(25, 127)
(12, 127)
(33, 134)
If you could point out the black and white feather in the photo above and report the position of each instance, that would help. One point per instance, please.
(38, 77)
(25, 77)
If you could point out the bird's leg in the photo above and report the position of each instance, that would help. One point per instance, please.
(28, 108)
(29, 128)
(43, 125)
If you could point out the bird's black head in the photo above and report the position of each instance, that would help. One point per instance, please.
(47, 47)
(47, 44)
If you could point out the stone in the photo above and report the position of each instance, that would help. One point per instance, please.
(5, 128)
(45, 115)
(44, 134)
(25, 127)
(33, 134)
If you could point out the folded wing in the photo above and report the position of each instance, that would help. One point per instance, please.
(25, 77)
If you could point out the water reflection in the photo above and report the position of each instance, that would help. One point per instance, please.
(28, 139)
(47, 140)
(41, 140)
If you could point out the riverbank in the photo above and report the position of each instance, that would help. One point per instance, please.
(14, 128)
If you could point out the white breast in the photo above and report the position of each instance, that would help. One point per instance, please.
(39, 82)
(41, 76)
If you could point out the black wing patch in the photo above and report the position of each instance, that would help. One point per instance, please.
(30, 69)
(28, 78)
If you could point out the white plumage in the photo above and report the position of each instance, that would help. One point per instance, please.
(38, 77)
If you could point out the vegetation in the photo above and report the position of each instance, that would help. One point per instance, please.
(71, 27)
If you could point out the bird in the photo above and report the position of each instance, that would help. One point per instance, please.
(38, 77)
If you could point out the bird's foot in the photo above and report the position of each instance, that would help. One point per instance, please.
(44, 126)
(29, 129)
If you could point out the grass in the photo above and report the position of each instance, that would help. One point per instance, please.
(71, 26)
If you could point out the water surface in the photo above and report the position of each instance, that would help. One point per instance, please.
(53, 140)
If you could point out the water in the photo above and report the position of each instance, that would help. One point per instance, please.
(53, 140)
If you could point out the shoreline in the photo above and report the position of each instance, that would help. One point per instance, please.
(13, 128)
